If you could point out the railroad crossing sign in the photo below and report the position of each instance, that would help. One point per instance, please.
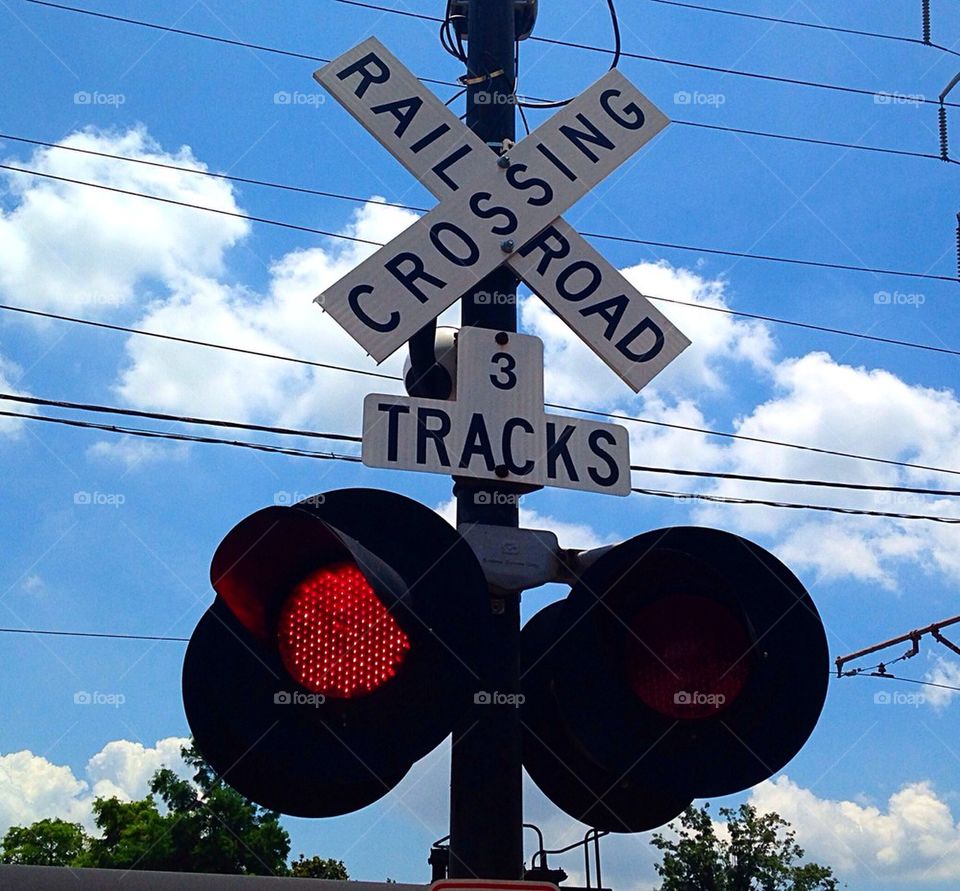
(495, 428)
(494, 210)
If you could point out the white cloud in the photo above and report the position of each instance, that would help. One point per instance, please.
(34, 788)
(913, 839)
(9, 372)
(67, 246)
(947, 672)
(190, 380)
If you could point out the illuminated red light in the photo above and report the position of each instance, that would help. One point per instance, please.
(687, 657)
(336, 637)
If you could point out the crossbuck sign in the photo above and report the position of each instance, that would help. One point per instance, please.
(494, 211)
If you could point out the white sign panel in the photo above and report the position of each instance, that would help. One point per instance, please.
(406, 284)
(434, 145)
(499, 432)
(610, 315)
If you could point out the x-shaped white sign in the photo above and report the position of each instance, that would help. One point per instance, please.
(497, 210)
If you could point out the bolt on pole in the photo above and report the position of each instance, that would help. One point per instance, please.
(486, 808)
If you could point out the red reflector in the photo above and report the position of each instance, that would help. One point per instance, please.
(336, 637)
(687, 657)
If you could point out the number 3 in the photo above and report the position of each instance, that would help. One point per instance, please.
(505, 378)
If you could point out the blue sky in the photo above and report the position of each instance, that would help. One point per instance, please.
(874, 791)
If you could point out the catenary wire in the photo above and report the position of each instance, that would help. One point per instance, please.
(94, 634)
(893, 677)
(756, 75)
(331, 456)
(617, 417)
(875, 270)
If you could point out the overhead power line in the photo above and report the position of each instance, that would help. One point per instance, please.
(736, 72)
(457, 86)
(614, 416)
(857, 32)
(94, 634)
(344, 437)
(331, 456)
(357, 199)
(849, 511)
(314, 231)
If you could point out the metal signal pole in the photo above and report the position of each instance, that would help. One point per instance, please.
(486, 808)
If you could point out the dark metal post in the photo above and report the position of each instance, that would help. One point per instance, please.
(486, 808)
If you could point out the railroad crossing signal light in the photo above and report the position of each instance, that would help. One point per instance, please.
(685, 663)
(345, 641)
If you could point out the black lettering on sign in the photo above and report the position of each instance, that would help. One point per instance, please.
(533, 182)
(646, 325)
(596, 440)
(594, 280)
(477, 442)
(414, 273)
(582, 140)
(635, 120)
(611, 310)
(507, 369)
(553, 159)
(470, 253)
(353, 301)
(429, 139)
(426, 433)
(559, 249)
(510, 224)
(509, 428)
(393, 425)
(559, 450)
(441, 167)
(404, 110)
(365, 68)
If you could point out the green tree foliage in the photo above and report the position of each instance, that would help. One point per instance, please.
(202, 826)
(760, 853)
(318, 868)
(45, 843)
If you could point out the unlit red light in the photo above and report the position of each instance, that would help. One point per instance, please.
(687, 657)
(336, 637)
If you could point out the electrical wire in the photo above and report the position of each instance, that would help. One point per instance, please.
(817, 26)
(674, 62)
(342, 437)
(179, 419)
(445, 83)
(181, 437)
(568, 408)
(331, 456)
(849, 511)
(314, 231)
(893, 677)
(94, 634)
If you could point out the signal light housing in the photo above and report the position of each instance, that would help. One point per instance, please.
(344, 643)
(688, 660)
